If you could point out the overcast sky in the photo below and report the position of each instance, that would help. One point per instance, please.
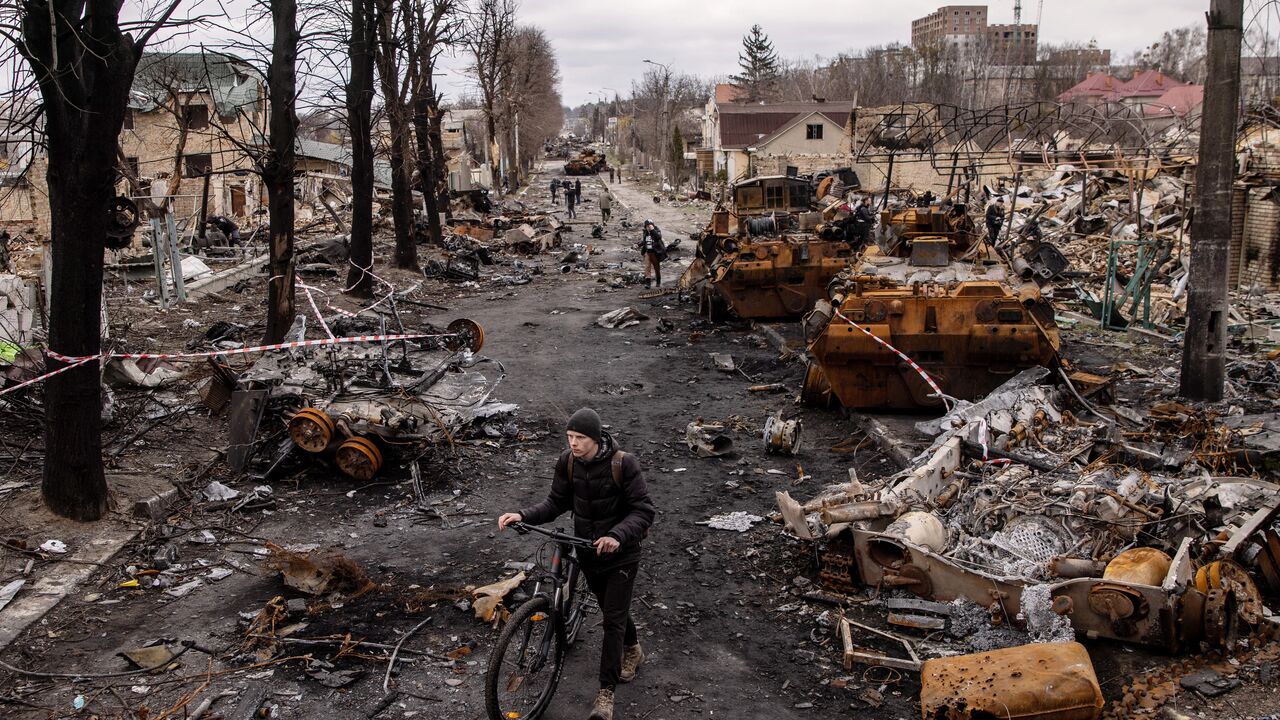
(603, 43)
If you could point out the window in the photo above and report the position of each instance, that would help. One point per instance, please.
(773, 196)
(128, 119)
(195, 117)
(197, 165)
(813, 132)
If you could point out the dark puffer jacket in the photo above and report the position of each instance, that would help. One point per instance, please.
(622, 511)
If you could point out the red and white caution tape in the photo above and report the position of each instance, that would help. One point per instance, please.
(937, 391)
(78, 360)
(47, 375)
(245, 350)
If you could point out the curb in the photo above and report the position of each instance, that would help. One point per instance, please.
(64, 579)
(773, 336)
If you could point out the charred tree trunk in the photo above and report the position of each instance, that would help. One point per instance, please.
(428, 160)
(406, 255)
(84, 66)
(436, 119)
(492, 150)
(360, 124)
(277, 171)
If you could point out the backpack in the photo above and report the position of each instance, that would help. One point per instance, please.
(615, 465)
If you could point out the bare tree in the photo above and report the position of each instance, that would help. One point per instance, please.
(82, 59)
(430, 30)
(395, 97)
(490, 26)
(360, 126)
(1179, 53)
(277, 170)
(529, 96)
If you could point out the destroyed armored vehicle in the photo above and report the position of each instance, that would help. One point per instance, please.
(930, 311)
(353, 407)
(1027, 512)
(588, 162)
(771, 254)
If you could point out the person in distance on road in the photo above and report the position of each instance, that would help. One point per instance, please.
(654, 251)
(605, 489)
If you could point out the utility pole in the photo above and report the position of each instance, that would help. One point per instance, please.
(1204, 343)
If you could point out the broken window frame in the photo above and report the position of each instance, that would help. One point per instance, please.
(197, 165)
(195, 116)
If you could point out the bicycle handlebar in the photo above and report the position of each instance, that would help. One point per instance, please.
(524, 529)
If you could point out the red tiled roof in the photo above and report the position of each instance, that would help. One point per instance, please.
(744, 125)
(727, 93)
(1178, 101)
(1148, 82)
(1094, 85)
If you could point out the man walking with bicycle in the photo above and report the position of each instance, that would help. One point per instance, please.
(605, 490)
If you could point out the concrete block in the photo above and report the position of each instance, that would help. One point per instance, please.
(157, 506)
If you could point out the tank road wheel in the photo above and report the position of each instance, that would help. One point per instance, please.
(359, 458)
(1228, 576)
(466, 334)
(816, 391)
(311, 429)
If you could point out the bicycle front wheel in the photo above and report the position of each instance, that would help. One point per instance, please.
(525, 666)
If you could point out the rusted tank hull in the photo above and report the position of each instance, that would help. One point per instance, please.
(777, 279)
(969, 339)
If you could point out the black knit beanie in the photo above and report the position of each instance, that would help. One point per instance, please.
(587, 422)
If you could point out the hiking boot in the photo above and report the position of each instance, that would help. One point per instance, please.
(631, 659)
(603, 709)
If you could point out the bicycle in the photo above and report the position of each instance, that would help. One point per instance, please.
(525, 666)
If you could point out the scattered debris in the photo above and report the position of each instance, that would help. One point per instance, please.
(707, 440)
(487, 600)
(621, 318)
(737, 521)
(1051, 680)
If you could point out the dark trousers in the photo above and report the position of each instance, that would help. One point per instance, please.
(653, 264)
(604, 214)
(612, 589)
(993, 231)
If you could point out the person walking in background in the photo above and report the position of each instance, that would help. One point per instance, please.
(995, 219)
(864, 218)
(606, 206)
(654, 252)
(570, 200)
(555, 187)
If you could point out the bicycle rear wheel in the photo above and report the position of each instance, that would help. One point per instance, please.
(580, 602)
(525, 666)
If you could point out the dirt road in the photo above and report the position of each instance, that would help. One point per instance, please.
(716, 609)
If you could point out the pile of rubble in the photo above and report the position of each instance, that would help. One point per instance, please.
(1047, 526)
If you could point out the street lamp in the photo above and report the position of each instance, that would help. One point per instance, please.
(665, 131)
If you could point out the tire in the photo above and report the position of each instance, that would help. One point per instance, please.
(526, 700)
(577, 610)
